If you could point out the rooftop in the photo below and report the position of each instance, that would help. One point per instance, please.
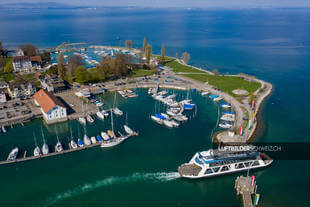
(47, 100)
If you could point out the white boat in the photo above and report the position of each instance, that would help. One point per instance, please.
(215, 162)
(168, 123)
(204, 93)
(105, 113)
(58, 147)
(217, 99)
(114, 142)
(169, 112)
(3, 129)
(156, 119)
(225, 105)
(228, 117)
(100, 115)
(73, 144)
(90, 119)
(93, 140)
(178, 118)
(36, 151)
(117, 111)
(13, 154)
(225, 125)
(165, 115)
(183, 117)
(45, 149)
(86, 140)
(128, 130)
(105, 136)
(174, 123)
(82, 120)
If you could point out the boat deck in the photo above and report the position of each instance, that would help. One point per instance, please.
(189, 169)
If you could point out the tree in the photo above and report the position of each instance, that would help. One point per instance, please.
(9, 67)
(81, 74)
(3, 52)
(185, 57)
(162, 53)
(61, 66)
(46, 57)
(144, 45)
(128, 43)
(148, 53)
(216, 72)
(74, 61)
(29, 49)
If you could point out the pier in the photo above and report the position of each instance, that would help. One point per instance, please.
(246, 190)
(70, 149)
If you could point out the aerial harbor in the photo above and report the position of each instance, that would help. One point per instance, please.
(113, 103)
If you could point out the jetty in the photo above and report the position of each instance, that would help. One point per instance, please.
(246, 187)
(68, 150)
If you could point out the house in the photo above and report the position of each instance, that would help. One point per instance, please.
(52, 83)
(20, 52)
(51, 107)
(2, 96)
(21, 90)
(3, 85)
(36, 62)
(22, 64)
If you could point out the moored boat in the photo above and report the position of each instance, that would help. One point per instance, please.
(86, 140)
(100, 115)
(36, 151)
(13, 154)
(117, 111)
(128, 130)
(80, 143)
(90, 119)
(215, 162)
(93, 140)
(82, 120)
(73, 144)
(225, 125)
(105, 136)
(58, 147)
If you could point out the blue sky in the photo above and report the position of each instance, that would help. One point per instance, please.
(180, 3)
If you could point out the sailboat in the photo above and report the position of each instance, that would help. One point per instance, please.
(45, 149)
(13, 154)
(72, 142)
(116, 110)
(105, 136)
(36, 151)
(100, 115)
(58, 147)
(90, 119)
(86, 139)
(93, 140)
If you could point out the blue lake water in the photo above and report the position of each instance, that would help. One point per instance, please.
(272, 44)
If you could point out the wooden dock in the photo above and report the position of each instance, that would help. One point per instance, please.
(246, 190)
(70, 149)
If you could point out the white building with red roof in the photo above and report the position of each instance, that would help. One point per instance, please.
(52, 108)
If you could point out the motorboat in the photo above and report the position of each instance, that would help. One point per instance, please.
(100, 115)
(117, 111)
(105, 136)
(225, 125)
(45, 149)
(58, 147)
(98, 138)
(128, 130)
(82, 120)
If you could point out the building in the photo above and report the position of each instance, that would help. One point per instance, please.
(51, 107)
(52, 83)
(2, 97)
(21, 90)
(20, 52)
(3, 85)
(36, 62)
(22, 64)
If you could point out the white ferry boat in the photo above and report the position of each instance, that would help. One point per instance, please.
(215, 162)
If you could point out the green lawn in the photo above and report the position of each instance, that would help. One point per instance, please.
(225, 83)
(177, 67)
(141, 73)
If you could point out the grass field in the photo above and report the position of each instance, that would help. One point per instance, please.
(141, 73)
(225, 83)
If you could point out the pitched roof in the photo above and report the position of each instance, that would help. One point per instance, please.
(47, 100)
(36, 59)
(20, 58)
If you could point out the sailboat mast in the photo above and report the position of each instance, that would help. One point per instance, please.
(112, 120)
(42, 134)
